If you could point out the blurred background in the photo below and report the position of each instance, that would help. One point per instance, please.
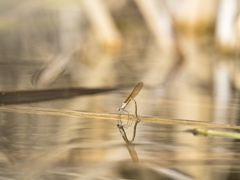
(185, 51)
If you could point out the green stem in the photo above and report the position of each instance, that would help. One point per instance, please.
(210, 132)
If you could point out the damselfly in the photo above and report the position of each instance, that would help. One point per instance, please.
(132, 95)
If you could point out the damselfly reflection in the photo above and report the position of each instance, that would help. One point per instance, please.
(122, 131)
(132, 95)
(129, 143)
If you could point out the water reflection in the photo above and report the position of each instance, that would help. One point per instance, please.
(129, 143)
(21, 97)
(47, 143)
(44, 147)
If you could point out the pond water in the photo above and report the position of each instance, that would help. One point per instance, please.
(46, 146)
(53, 146)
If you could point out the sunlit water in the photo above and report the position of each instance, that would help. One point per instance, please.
(54, 147)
